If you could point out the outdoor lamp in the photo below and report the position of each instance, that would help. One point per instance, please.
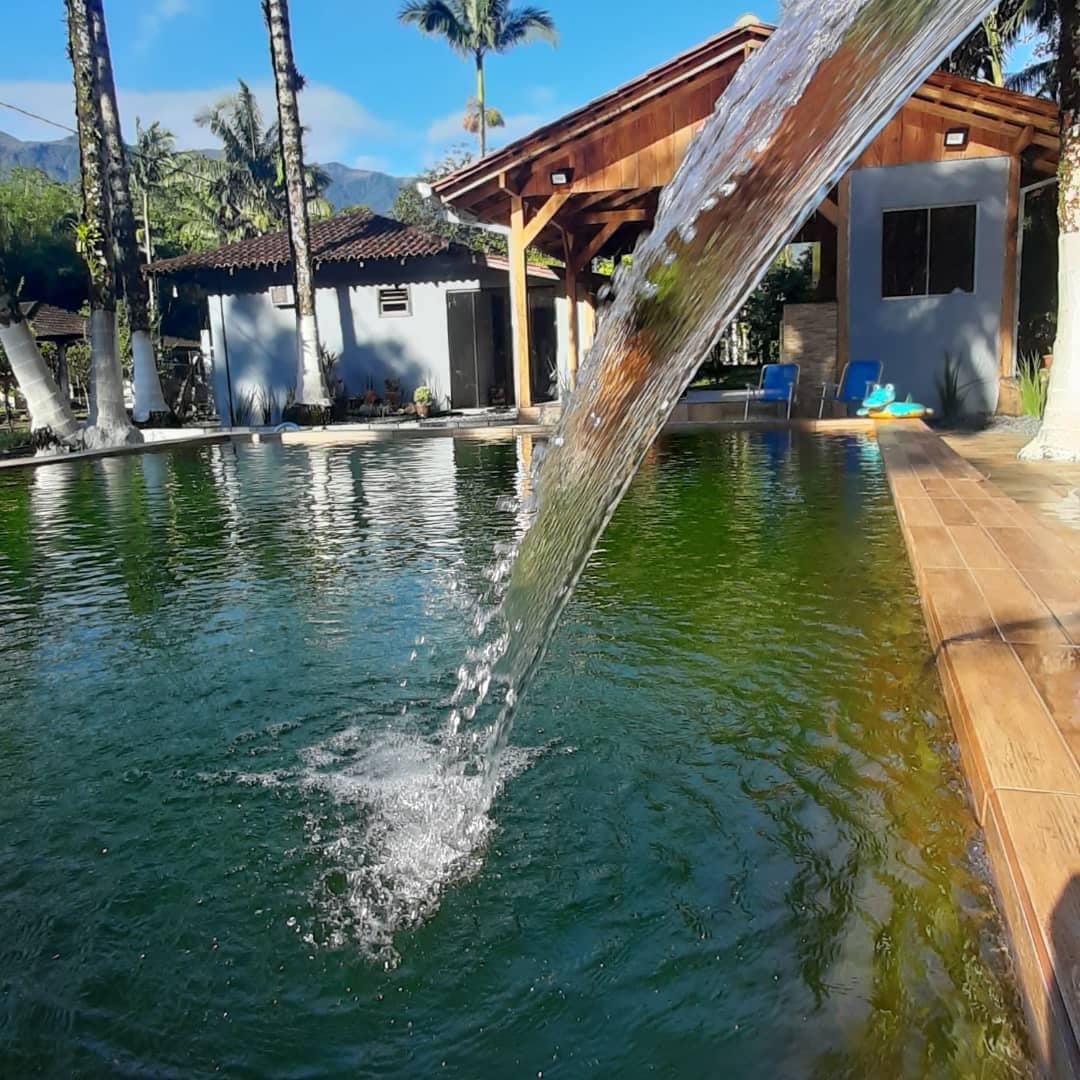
(562, 177)
(956, 138)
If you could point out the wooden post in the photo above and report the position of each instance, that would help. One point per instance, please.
(588, 322)
(843, 274)
(519, 303)
(570, 281)
(1011, 287)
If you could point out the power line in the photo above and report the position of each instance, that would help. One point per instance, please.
(131, 150)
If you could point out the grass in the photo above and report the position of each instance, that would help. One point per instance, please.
(1033, 387)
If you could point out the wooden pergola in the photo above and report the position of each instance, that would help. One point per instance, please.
(588, 184)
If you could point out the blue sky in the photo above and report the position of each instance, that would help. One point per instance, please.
(379, 95)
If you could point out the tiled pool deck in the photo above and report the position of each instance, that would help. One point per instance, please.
(1000, 586)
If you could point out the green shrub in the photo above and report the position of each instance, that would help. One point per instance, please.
(1033, 387)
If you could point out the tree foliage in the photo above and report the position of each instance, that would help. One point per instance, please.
(38, 227)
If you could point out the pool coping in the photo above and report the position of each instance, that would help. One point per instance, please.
(358, 434)
(1000, 592)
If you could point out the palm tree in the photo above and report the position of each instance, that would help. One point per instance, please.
(311, 391)
(50, 414)
(1041, 76)
(1059, 436)
(473, 28)
(108, 422)
(983, 53)
(475, 119)
(243, 195)
(153, 161)
(149, 399)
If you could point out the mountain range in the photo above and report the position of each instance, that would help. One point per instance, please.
(60, 161)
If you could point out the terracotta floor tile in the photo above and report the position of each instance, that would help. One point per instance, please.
(1056, 675)
(1018, 612)
(954, 511)
(940, 488)
(992, 512)
(907, 487)
(958, 606)
(1045, 834)
(1049, 1023)
(1023, 550)
(976, 547)
(1060, 592)
(1020, 744)
(919, 511)
(933, 547)
(969, 489)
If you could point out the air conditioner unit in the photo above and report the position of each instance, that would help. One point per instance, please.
(282, 296)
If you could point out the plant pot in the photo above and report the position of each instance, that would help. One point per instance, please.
(423, 411)
(1047, 361)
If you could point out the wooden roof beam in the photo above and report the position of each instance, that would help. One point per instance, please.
(589, 252)
(830, 212)
(602, 217)
(998, 128)
(982, 105)
(545, 215)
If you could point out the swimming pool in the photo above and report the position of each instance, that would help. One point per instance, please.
(731, 839)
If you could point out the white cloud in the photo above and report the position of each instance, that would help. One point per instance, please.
(151, 22)
(447, 130)
(335, 121)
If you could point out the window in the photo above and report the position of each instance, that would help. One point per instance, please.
(394, 303)
(282, 296)
(928, 252)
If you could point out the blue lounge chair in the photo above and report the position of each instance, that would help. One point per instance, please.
(778, 383)
(858, 379)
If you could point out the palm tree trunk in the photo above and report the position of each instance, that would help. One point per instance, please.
(482, 99)
(108, 423)
(148, 247)
(310, 386)
(1059, 437)
(49, 413)
(149, 399)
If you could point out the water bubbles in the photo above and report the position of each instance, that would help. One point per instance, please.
(687, 232)
(558, 441)
(728, 189)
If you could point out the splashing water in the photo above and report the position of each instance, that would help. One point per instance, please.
(791, 123)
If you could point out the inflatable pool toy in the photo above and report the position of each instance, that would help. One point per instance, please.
(881, 404)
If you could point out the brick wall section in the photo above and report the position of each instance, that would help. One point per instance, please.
(808, 337)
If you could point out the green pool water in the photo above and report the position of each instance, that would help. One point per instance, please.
(732, 838)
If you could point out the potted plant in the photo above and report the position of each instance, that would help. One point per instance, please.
(423, 399)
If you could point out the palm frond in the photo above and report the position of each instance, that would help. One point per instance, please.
(1038, 79)
(447, 19)
(522, 25)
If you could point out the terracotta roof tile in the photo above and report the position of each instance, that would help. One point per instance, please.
(352, 237)
(52, 323)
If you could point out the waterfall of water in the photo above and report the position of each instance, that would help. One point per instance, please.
(791, 123)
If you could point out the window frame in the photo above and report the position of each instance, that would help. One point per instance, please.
(929, 208)
(400, 289)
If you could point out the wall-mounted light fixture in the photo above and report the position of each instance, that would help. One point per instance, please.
(562, 177)
(957, 138)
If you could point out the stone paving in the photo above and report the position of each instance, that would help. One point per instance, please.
(999, 579)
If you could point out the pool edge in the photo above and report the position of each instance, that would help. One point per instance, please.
(969, 547)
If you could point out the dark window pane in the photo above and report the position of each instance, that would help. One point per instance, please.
(952, 250)
(903, 253)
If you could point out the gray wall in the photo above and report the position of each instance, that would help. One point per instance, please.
(912, 334)
(260, 339)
